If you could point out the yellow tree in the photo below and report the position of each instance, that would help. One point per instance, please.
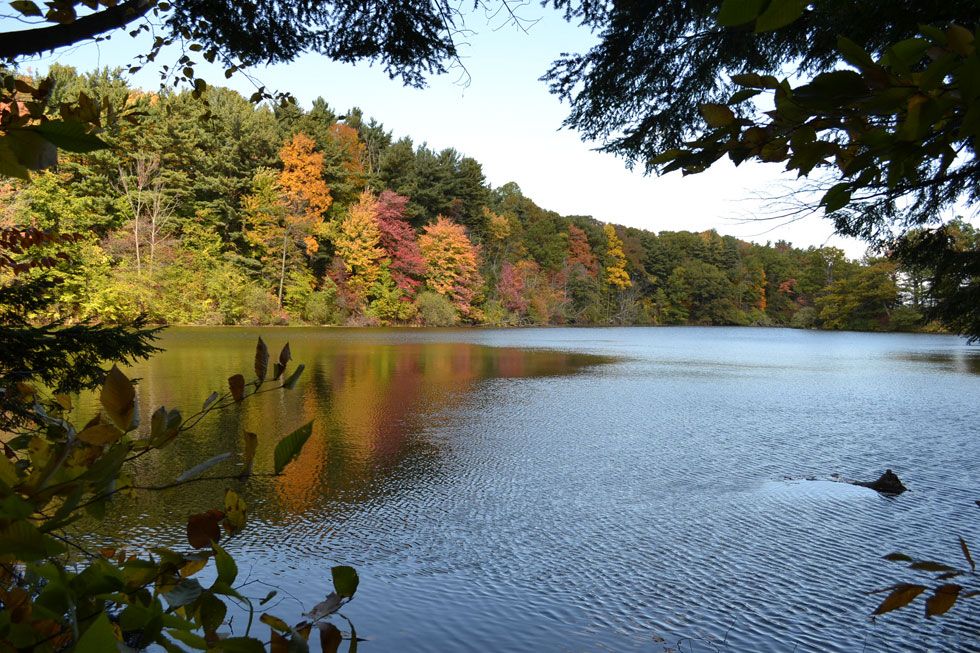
(615, 268)
(304, 196)
(358, 243)
(451, 263)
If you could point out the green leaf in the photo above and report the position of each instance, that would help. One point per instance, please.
(739, 12)
(25, 542)
(906, 53)
(960, 40)
(190, 639)
(98, 638)
(743, 95)
(836, 198)
(26, 8)
(779, 13)
(755, 80)
(212, 611)
(227, 569)
(853, 53)
(717, 115)
(10, 166)
(70, 135)
(290, 446)
(345, 580)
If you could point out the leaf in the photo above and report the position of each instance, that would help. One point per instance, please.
(268, 597)
(739, 12)
(197, 470)
(290, 446)
(70, 135)
(225, 564)
(100, 434)
(290, 382)
(118, 398)
(755, 80)
(191, 567)
(203, 528)
(836, 198)
(901, 595)
(186, 591)
(929, 565)
(960, 40)
(261, 360)
(779, 13)
(275, 623)
(213, 397)
(98, 638)
(345, 580)
(325, 608)
(330, 638)
(942, 599)
(854, 54)
(26, 8)
(966, 554)
(248, 457)
(237, 386)
(897, 557)
(234, 511)
(717, 115)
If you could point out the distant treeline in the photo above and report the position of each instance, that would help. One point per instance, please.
(212, 210)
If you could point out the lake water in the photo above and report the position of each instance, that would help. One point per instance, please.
(591, 489)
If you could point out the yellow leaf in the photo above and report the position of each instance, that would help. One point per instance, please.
(8, 473)
(275, 623)
(118, 398)
(64, 401)
(234, 511)
(191, 567)
(100, 434)
(901, 595)
(942, 600)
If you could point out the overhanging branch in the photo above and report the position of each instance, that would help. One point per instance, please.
(24, 43)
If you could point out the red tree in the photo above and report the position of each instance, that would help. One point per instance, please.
(399, 242)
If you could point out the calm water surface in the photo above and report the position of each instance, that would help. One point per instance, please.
(591, 489)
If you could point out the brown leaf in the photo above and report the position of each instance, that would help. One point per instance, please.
(902, 594)
(118, 397)
(942, 599)
(966, 554)
(285, 355)
(929, 565)
(203, 528)
(261, 360)
(330, 638)
(237, 386)
(278, 643)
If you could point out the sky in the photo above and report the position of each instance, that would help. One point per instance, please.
(501, 114)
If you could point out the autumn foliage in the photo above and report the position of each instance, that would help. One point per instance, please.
(451, 263)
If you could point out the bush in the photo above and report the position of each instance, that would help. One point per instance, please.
(805, 318)
(435, 309)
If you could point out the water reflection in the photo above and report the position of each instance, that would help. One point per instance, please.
(369, 404)
(962, 362)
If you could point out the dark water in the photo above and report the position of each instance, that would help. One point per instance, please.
(592, 489)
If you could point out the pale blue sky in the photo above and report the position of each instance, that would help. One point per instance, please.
(506, 119)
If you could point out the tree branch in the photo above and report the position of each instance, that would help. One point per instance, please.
(29, 42)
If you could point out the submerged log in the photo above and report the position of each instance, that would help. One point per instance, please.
(887, 483)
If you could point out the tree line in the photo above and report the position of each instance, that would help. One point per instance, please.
(210, 209)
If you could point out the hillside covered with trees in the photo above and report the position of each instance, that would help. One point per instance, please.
(210, 209)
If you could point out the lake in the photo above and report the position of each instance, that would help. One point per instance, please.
(621, 489)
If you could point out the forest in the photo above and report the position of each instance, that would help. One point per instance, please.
(211, 208)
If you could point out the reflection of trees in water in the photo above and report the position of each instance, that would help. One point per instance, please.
(368, 402)
(966, 362)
